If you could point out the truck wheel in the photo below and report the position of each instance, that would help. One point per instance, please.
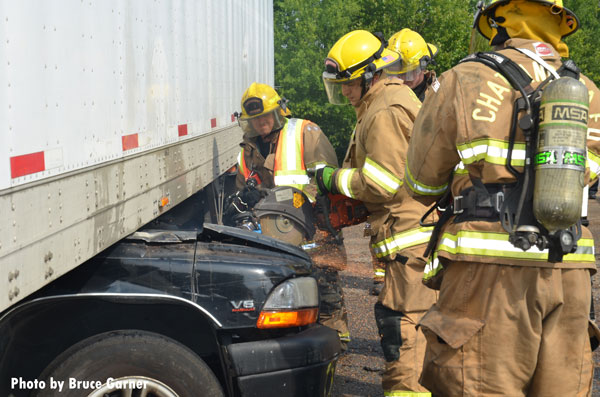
(132, 363)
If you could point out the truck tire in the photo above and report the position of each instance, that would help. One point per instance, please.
(168, 368)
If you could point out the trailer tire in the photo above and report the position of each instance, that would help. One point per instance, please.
(169, 368)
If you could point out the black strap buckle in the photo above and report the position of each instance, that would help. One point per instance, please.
(457, 205)
(475, 200)
(498, 200)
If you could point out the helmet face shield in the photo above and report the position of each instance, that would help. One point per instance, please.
(334, 90)
(263, 124)
(408, 75)
(404, 71)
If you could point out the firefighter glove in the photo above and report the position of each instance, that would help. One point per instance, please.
(251, 196)
(324, 178)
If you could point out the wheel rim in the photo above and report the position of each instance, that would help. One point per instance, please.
(128, 386)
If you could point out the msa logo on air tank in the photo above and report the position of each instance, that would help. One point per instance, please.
(566, 112)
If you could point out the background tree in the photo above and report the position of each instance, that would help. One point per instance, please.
(583, 47)
(305, 30)
(444, 23)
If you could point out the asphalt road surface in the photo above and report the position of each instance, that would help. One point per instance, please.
(359, 369)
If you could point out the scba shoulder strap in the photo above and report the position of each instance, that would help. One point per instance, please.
(513, 73)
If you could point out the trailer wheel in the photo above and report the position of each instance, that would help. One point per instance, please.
(129, 363)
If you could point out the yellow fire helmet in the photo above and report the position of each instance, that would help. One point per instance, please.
(261, 100)
(358, 54)
(415, 54)
(485, 24)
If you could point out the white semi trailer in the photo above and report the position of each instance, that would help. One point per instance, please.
(115, 114)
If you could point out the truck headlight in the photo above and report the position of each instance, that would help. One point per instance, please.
(293, 303)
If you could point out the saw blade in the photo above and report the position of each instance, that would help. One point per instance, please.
(282, 228)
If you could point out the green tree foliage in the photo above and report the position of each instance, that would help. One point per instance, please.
(305, 30)
(444, 23)
(583, 47)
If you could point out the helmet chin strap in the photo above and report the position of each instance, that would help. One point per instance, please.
(367, 79)
(364, 87)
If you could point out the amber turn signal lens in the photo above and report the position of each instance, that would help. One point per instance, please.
(287, 319)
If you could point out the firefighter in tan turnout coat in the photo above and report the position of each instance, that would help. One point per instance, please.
(372, 172)
(264, 117)
(277, 151)
(508, 322)
(415, 56)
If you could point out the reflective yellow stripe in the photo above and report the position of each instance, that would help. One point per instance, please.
(379, 272)
(381, 176)
(402, 393)
(344, 181)
(318, 165)
(432, 267)
(290, 169)
(241, 162)
(492, 151)
(288, 178)
(460, 169)
(593, 133)
(467, 242)
(593, 162)
(400, 241)
(421, 188)
(292, 134)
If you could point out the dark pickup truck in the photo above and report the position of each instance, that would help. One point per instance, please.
(213, 311)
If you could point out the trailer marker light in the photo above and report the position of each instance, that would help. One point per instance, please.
(164, 202)
(287, 319)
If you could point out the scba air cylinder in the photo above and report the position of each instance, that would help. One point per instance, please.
(561, 154)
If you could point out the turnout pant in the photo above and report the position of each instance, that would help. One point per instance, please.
(510, 331)
(404, 299)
